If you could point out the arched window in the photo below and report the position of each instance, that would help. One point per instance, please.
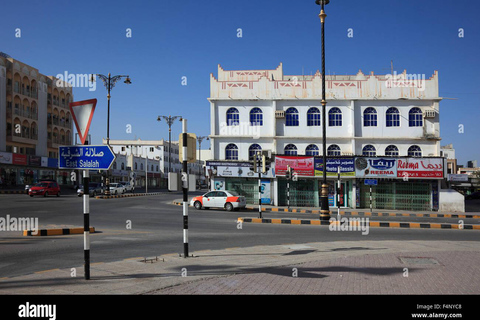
(370, 117)
(333, 150)
(290, 150)
(415, 117)
(311, 150)
(254, 148)
(233, 117)
(393, 117)
(313, 117)
(256, 117)
(291, 117)
(231, 152)
(391, 151)
(335, 117)
(414, 151)
(369, 151)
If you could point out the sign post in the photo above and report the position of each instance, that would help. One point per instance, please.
(371, 182)
(82, 113)
(185, 186)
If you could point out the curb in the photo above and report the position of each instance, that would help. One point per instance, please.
(374, 214)
(128, 195)
(56, 232)
(374, 224)
(13, 192)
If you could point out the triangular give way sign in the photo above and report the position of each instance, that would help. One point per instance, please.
(82, 114)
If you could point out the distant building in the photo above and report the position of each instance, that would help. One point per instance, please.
(34, 121)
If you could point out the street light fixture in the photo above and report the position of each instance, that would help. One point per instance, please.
(324, 209)
(109, 83)
(200, 139)
(169, 121)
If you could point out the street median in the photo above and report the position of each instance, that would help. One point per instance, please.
(56, 231)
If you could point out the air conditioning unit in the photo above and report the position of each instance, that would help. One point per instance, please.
(430, 113)
(279, 114)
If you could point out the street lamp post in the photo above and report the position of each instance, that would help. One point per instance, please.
(109, 83)
(169, 121)
(324, 209)
(200, 139)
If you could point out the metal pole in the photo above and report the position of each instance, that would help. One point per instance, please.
(324, 208)
(259, 168)
(371, 205)
(338, 194)
(146, 172)
(169, 144)
(288, 194)
(185, 188)
(86, 223)
(107, 178)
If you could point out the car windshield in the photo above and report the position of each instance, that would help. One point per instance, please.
(42, 184)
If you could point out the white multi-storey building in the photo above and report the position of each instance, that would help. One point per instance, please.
(366, 114)
(389, 116)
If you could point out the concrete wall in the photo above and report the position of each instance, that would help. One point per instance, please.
(451, 201)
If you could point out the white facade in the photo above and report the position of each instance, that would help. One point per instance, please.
(272, 92)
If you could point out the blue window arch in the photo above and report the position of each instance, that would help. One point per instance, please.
(233, 117)
(253, 149)
(415, 117)
(369, 151)
(313, 117)
(335, 117)
(231, 152)
(291, 117)
(393, 117)
(414, 151)
(391, 151)
(370, 117)
(333, 150)
(290, 150)
(256, 117)
(312, 150)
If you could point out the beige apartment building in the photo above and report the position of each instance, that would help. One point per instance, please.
(34, 121)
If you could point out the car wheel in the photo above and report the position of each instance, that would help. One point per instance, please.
(58, 194)
(116, 192)
(228, 206)
(197, 205)
(31, 195)
(45, 194)
(94, 194)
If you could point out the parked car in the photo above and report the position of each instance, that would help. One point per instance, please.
(116, 188)
(202, 185)
(94, 188)
(128, 186)
(474, 195)
(44, 188)
(229, 200)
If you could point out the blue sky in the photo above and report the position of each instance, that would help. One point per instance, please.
(173, 39)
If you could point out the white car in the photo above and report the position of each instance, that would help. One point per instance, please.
(127, 186)
(229, 200)
(116, 188)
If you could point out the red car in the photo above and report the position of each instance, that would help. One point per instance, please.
(44, 188)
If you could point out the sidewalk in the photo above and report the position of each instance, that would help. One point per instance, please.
(343, 267)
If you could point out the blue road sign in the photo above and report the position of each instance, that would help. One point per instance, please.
(371, 182)
(85, 157)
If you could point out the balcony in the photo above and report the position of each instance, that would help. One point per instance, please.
(25, 113)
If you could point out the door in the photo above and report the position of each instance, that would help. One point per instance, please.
(220, 199)
(209, 198)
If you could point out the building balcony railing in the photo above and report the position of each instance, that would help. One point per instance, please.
(26, 114)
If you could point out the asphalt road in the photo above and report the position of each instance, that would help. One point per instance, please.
(149, 226)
